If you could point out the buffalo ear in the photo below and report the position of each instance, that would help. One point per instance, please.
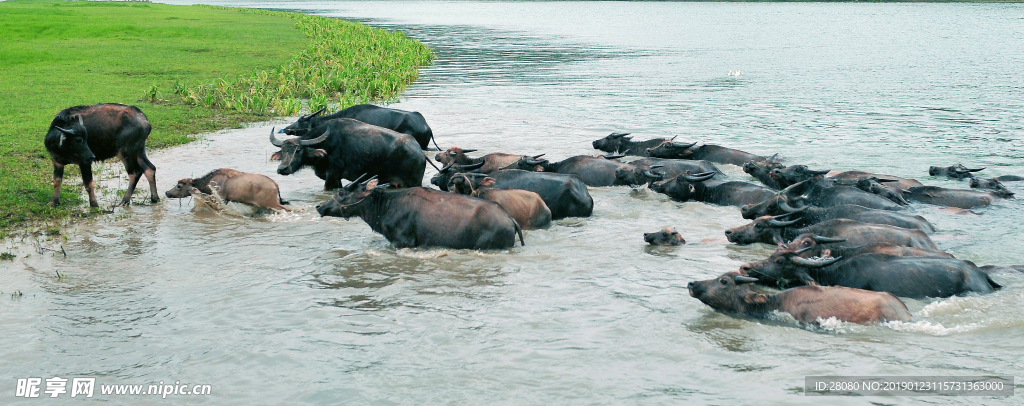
(371, 184)
(692, 189)
(487, 182)
(756, 298)
(318, 153)
(275, 156)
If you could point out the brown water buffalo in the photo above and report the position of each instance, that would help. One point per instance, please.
(665, 237)
(731, 293)
(772, 230)
(811, 246)
(81, 135)
(622, 143)
(421, 217)
(491, 162)
(234, 186)
(526, 207)
(707, 152)
(915, 276)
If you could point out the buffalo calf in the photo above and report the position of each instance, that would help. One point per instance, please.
(233, 186)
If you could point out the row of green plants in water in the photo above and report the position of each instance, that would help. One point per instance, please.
(345, 64)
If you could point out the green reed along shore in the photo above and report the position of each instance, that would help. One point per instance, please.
(191, 69)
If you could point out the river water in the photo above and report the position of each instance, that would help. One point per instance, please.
(295, 309)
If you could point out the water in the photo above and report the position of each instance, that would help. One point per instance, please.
(295, 309)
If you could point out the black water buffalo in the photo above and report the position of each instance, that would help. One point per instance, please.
(993, 185)
(707, 152)
(233, 186)
(957, 171)
(828, 192)
(81, 135)
(405, 122)
(811, 246)
(666, 237)
(807, 215)
(772, 230)
(346, 148)
(421, 217)
(621, 143)
(671, 168)
(962, 198)
(526, 207)
(491, 162)
(914, 277)
(699, 187)
(594, 171)
(731, 293)
(887, 189)
(766, 172)
(565, 195)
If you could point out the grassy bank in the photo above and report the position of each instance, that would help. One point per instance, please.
(191, 69)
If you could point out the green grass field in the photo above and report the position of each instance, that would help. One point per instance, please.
(191, 69)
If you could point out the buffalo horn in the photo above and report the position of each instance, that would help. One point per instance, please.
(314, 114)
(360, 178)
(274, 140)
(740, 279)
(613, 156)
(812, 172)
(700, 177)
(650, 174)
(774, 222)
(368, 180)
(682, 145)
(64, 131)
(975, 170)
(803, 250)
(784, 205)
(825, 240)
(470, 167)
(314, 141)
(814, 263)
(468, 150)
(618, 135)
(447, 167)
(789, 189)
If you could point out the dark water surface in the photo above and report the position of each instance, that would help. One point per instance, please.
(295, 309)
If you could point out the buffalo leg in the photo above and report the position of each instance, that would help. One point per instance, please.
(332, 181)
(150, 172)
(58, 177)
(90, 183)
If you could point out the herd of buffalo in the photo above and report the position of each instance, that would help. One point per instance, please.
(846, 247)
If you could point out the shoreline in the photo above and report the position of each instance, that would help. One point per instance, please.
(203, 69)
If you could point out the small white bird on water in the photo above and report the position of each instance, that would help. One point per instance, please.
(736, 72)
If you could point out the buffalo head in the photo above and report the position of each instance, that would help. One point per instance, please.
(957, 171)
(683, 187)
(762, 229)
(671, 150)
(530, 163)
(71, 144)
(666, 237)
(445, 174)
(346, 202)
(181, 190)
(297, 152)
(468, 183)
(303, 124)
(729, 293)
(993, 185)
(639, 175)
(453, 155)
(786, 265)
(612, 143)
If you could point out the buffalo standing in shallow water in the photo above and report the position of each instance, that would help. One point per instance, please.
(405, 122)
(233, 186)
(346, 149)
(421, 217)
(526, 207)
(82, 134)
(731, 293)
